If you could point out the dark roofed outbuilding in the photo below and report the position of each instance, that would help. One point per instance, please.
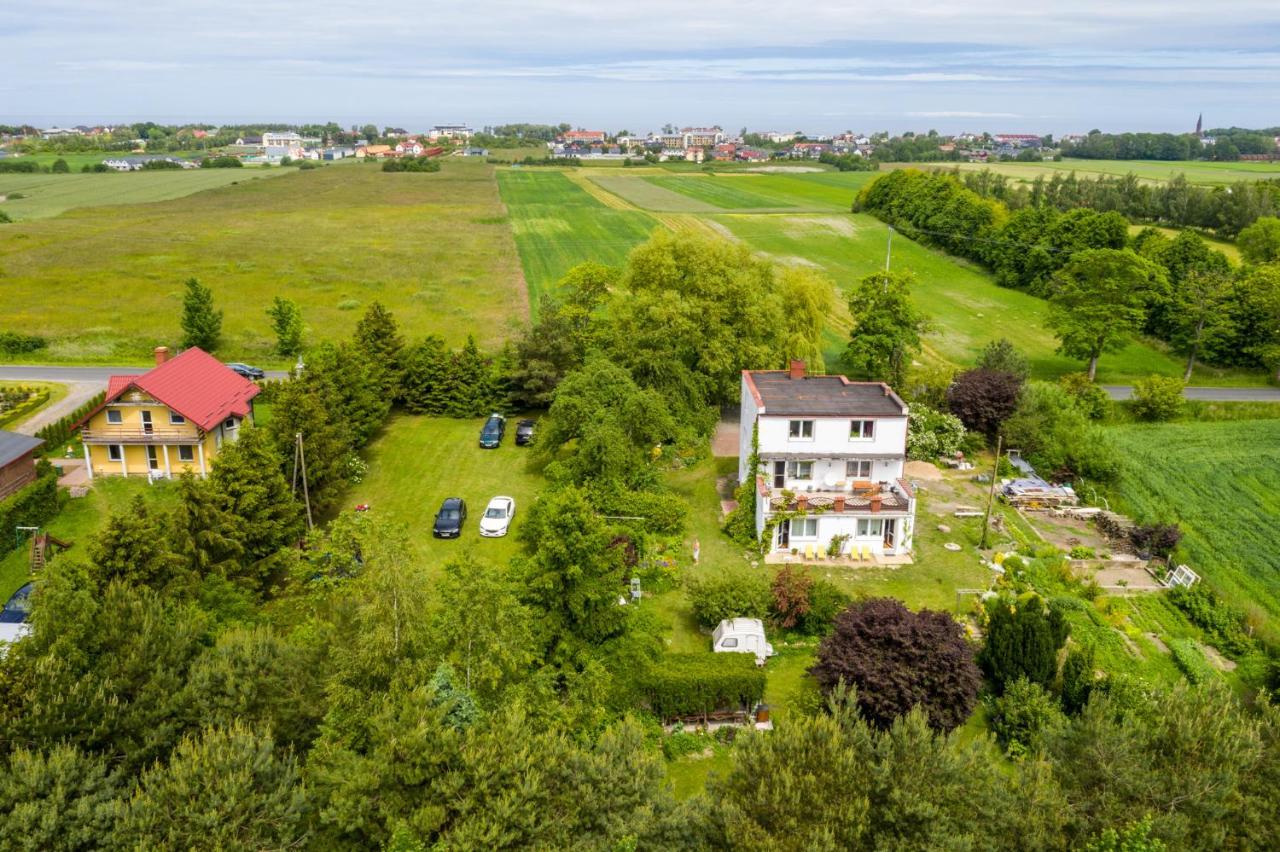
(17, 461)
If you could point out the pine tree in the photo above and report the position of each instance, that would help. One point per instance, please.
(201, 324)
(378, 340)
(286, 322)
(472, 385)
(425, 384)
(133, 546)
(205, 534)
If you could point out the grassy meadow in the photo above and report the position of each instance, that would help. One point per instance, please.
(1220, 481)
(104, 283)
(1206, 173)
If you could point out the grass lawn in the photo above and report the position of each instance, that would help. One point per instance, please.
(558, 224)
(1206, 173)
(1230, 249)
(13, 418)
(77, 523)
(48, 195)
(1220, 481)
(105, 282)
(967, 308)
(419, 461)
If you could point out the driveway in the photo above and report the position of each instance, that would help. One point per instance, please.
(82, 384)
(1208, 394)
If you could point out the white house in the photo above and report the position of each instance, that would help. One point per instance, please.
(830, 463)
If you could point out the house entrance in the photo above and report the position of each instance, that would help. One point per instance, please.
(784, 534)
(890, 533)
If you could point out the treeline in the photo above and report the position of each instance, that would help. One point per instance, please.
(1228, 145)
(1103, 286)
(411, 164)
(1225, 209)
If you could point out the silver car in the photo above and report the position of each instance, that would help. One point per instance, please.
(497, 517)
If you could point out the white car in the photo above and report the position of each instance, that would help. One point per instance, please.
(497, 517)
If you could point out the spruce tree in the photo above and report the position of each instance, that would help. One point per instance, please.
(286, 322)
(201, 324)
(249, 479)
(425, 383)
(378, 340)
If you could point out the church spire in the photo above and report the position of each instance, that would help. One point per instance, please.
(1200, 125)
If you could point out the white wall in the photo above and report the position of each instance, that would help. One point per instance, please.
(882, 470)
(747, 411)
(831, 435)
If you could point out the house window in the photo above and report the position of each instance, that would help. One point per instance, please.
(176, 419)
(870, 527)
(229, 423)
(115, 415)
(186, 453)
(801, 430)
(729, 643)
(802, 470)
(804, 527)
(857, 469)
(115, 452)
(862, 430)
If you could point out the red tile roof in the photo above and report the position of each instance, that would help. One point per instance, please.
(194, 384)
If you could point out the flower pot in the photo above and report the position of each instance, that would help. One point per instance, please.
(837, 503)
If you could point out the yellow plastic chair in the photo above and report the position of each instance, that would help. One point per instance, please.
(808, 552)
(866, 553)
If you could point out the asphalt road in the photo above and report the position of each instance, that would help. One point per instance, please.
(82, 384)
(1208, 394)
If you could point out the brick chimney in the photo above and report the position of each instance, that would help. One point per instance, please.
(797, 369)
(162, 355)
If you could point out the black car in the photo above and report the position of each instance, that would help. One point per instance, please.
(524, 433)
(494, 428)
(450, 518)
(252, 373)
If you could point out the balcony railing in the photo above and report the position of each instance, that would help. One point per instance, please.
(891, 497)
(135, 435)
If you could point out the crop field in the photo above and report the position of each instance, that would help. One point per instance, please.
(48, 195)
(726, 192)
(557, 225)
(105, 282)
(1206, 173)
(1220, 481)
(419, 461)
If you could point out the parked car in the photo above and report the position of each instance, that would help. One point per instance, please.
(524, 433)
(497, 517)
(13, 618)
(742, 636)
(491, 434)
(450, 518)
(251, 373)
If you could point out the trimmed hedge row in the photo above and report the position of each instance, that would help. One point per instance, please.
(20, 411)
(59, 432)
(697, 684)
(33, 506)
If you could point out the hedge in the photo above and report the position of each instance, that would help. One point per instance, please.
(33, 506)
(698, 684)
(59, 432)
(20, 411)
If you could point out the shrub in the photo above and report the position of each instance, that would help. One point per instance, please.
(1188, 657)
(1157, 539)
(933, 434)
(1023, 639)
(1091, 399)
(729, 594)
(1224, 623)
(1055, 435)
(411, 164)
(680, 743)
(1157, 398)
(898, 659)
(1000, 356)
(223, 162)
(1081, 551)
(1021, 716)
(4, 218)
(696, 684)
(59, 432)
(16, 343)
(31, 506)
(984, 399)
(790, 591)
(826, 601)
(1078, 678)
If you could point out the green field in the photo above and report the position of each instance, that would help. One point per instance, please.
(557, 225)
(728, 193)
(1221, 482)
(419, 461)
(1207, 173)
(105, 282)
(49, 195)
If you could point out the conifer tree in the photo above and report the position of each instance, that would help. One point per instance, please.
(201, 324)
(378, 340)
(286, 322)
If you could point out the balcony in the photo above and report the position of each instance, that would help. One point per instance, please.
(138, 435)
(860, 498)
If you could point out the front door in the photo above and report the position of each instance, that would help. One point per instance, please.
(153, 459)
(146, 422)
(890, 534)
(779, 474)
(784, 534)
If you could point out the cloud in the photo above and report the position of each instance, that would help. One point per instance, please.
(957, 113)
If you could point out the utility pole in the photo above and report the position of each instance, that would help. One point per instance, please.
(991, 496)
(888, 250)
(300, 463)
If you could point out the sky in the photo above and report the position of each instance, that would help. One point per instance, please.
(818, 66)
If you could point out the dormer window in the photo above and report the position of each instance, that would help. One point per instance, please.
(800, 430)
(862, 430)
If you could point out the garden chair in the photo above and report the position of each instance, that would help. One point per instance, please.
(808, 552)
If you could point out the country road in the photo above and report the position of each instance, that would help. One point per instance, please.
(82, 383)
(1208, 394)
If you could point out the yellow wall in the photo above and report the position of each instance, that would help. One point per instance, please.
(135, 455)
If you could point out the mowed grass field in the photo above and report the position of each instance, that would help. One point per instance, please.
(48, 195)
(417, 462)
(105, 283)
(1221, 482)
(1206, 173)
(557, 225)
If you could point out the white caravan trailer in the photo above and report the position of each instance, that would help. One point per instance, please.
(742, 636)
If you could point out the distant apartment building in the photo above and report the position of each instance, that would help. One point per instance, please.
(584, 137)
(450, 131)
(1017, 140)
(702, 137)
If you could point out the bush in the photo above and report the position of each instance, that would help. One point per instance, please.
(696, 684)
(1021, 716)
(790, 591)
(17, 343)
(1157, 398)
(933, 434)
(1188, 657)
(20, 166)
(1057, 437)
(411, 164)
(826, 601)
(1224, 623)
(1023, 639)
(1091, 399)
(984, 399)
(729, 594)
(4, 218)
(31, 506)
(223, 162)
(1157, 539)
(1081, 551)
(678, 744)
(1000, 356)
